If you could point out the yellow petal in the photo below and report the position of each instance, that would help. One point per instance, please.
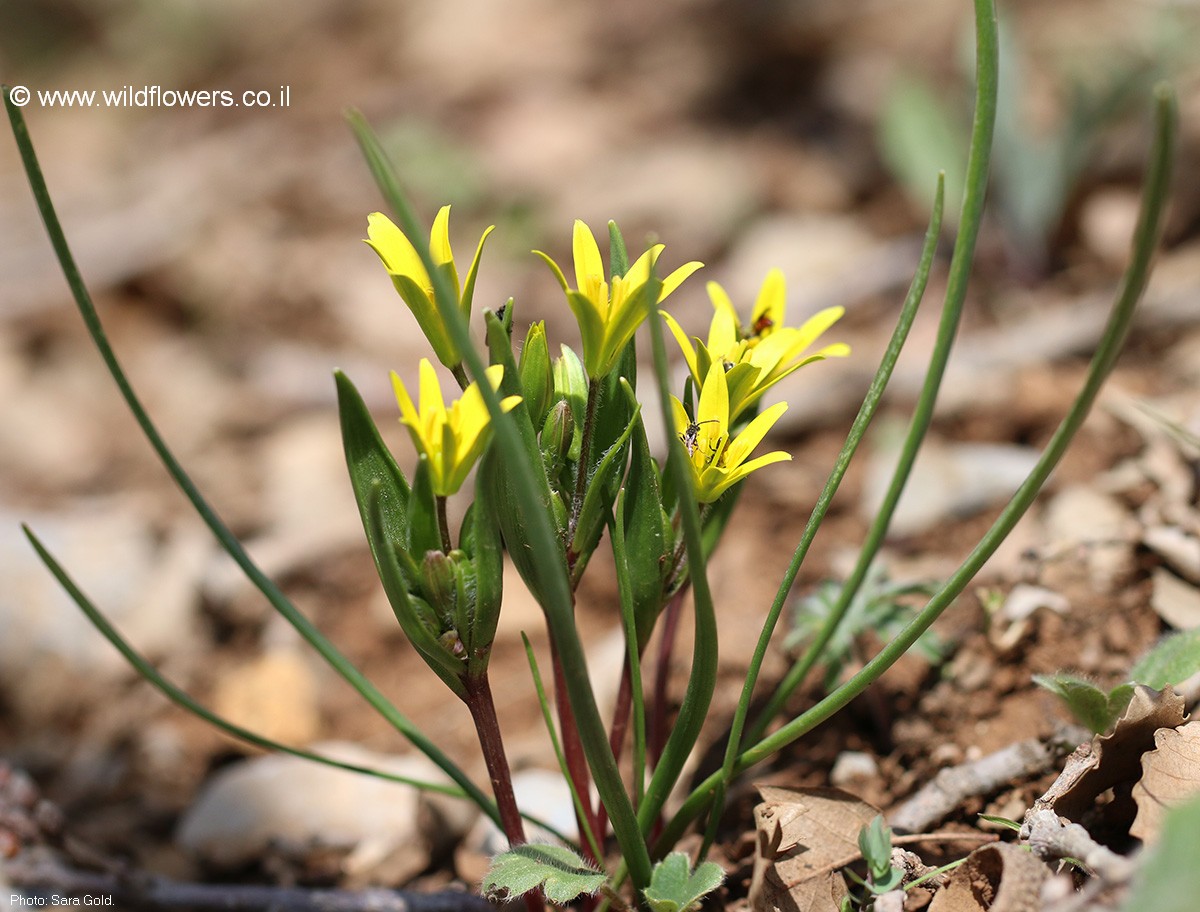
(639, 272)
(589, 268)
(745, 442)
(408, 411)
(676, 278)
(812, 328)
(685, 345)
(394, 249)
(439, 238)
(722, 335)
(770, 307)
(714, 398)
(432, 402)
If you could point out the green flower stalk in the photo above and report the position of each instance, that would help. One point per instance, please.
(758, 356)
(718, 462)
(609, 313)
(412, 280)
(453, 438)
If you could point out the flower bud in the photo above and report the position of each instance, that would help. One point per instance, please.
(537, 377)
(438, 580)
(557, 435)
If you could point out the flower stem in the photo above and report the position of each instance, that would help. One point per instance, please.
(483, 713)
(443, 523)
(460, 376)
(581, 475)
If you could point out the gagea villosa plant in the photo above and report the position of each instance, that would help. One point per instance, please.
(559, 452)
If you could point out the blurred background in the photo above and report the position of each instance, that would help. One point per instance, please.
(223, 248)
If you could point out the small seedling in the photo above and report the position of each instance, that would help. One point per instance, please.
(1174, 659)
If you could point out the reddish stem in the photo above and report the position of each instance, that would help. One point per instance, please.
(662, 673)
(577, 767)
(483, 712)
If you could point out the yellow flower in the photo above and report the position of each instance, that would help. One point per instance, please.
(452, 438)
(759, 356)
(412, 279)
(717, 462)
(609, 316)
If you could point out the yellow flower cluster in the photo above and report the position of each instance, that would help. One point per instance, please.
(732, 369)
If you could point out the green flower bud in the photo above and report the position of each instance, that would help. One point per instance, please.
(440, 585)
(537, 376)
(557, 435)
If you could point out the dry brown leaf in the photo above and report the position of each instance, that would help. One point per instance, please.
(1170, 774)
(1113, 759)
(804, 837)
(1175, 601)
(995, 878)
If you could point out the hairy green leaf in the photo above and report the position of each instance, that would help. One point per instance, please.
(673, 888)
(559, 871)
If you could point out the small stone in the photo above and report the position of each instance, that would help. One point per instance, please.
(853, 767)
(299, 809)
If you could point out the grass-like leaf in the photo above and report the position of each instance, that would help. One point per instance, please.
(226, 538)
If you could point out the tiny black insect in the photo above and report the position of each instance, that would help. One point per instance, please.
(689, 438)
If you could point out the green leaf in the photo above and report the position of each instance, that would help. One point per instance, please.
(489, 577)
(1175, 658)
(875, 843)
(370, 463)
(415, 626)
(1002, 821)
(1169, 880)
(596, 505)
(618, 256)
(646, 544)
(559, 871)
(422, 522)
(1088, 703)
(674, 889)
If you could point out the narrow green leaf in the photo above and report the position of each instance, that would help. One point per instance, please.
(1145, 242)
(642, 527)
(488, 557)
(630, 608)
(559, 871)
(618, 256)
(181, 698)
(421, 523)
(596, 505)
(220, 531)
(673, 888)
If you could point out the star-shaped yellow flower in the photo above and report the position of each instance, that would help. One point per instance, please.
(412, 279)
(760, 355)
(608, 316)
(453, 437)
(718, 463)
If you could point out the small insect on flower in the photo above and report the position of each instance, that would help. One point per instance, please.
(761, 325)
(690, 434)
